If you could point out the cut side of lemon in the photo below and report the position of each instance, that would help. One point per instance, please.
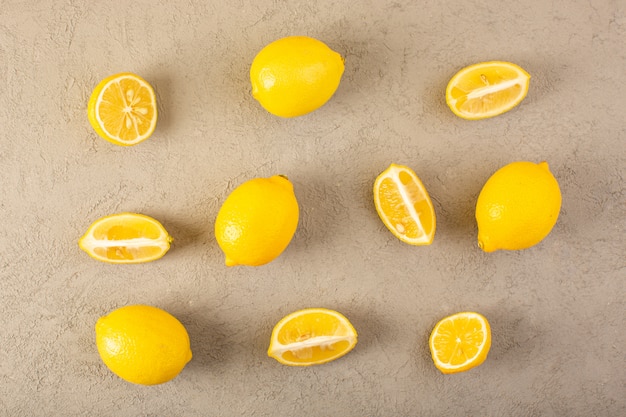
(122, 109)
(460, 342)
(486, 89)
(126, 238)
(311, 337)
(404, 206)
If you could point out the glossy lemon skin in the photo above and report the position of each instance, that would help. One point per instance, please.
(517, 207)
(295, 75)
(142, 344)
(257, 221)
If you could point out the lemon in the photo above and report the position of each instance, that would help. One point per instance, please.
(486, 89)
(460, 342)
(143, 344)
(311, 337)
(295, 75)
(122, 109)
(257, 221)
(517, 207)
(126, 238)
(404, 206)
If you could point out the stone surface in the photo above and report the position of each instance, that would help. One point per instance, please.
(557, 310)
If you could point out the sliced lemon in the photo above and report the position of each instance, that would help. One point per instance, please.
(486, 89)
(126, 238)
(460, 342)
(311, 337)
(122, 109)
(404, 206)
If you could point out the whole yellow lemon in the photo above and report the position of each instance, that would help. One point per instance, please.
(257, 221)
(517, 207)
(143, 344)
(295, 75)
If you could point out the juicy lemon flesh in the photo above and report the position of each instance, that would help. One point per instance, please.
(460, 342)
(122, 109)
(126, 238)
(143, 344)
(295, 75)
(257, 221)
(404, 206)
(312, 337)
(517, 207)
(487, 89)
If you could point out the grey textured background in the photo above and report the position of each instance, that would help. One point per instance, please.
(557, 310)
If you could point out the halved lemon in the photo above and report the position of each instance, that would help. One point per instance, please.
(126, 238)
(311, 337)
(460, 342)
(122, 109)
(486, 89)
(404, 206)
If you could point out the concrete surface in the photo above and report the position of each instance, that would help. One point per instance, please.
(557, 310)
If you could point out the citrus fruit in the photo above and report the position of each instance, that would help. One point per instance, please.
(460, 342)
(126, 238)
(311, 337)
(122, 109)
(295, 75)
(404, 206)
(517, 207)
(143, 344)
(257, 221)
(486, 89)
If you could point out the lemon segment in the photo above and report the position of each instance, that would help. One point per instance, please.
(122, 109)
(311, 336)
(460, 342)
(295, 75)
(257, 221)
(517, 207)
(126, 238)
(143, 344)
(486, 89)
(404, 206)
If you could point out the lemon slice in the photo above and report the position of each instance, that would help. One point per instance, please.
(486, 89)
(460, 342)
(126, 238)
(404, 206)
(311, 337)
(122, 109)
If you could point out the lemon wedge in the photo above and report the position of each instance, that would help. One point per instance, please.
(311, 337)
(486, 89)
(404, 206)
(126, 238)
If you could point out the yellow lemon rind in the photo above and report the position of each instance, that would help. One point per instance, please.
(257, 221)
(537, 222)
(125, 343)
(275, 87)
